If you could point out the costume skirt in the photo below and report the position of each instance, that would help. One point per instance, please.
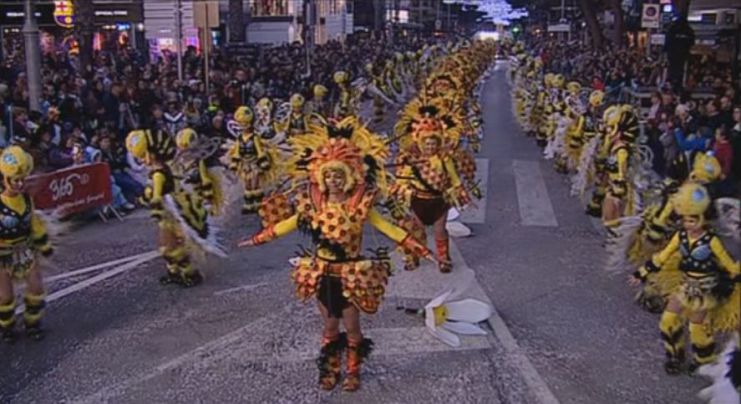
(429, 210)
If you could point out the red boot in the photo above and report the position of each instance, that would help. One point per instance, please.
(443, 255)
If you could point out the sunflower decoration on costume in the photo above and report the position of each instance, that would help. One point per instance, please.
(346, 144)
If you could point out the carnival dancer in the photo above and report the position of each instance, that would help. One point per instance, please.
(708, 296)
(196, 163)
(343, 169)
(428, 175)
(345, 105)
(319, 106)
(297, 119)
(254, 161)
(183, 220)
(644, 235)
(23, 240)
(595, 162)
(620, 199)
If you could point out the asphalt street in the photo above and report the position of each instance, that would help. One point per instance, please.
(564, 330)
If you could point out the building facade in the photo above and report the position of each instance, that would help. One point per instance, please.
(284, 21)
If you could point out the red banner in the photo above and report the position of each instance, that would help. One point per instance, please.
(72, 190)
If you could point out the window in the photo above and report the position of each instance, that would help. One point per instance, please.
(269, 8)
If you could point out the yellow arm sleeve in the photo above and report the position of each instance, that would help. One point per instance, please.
(389, 230)
(579, 124)
(662, 256)
(724, 259)
(455, 180)
(158, 186)
(286, 226)
(39, 236)
(203, 172)
(622, 162)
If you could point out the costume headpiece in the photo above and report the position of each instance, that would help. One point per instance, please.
(159, 144)
(345, 145)
(691, 200)
(15, 163)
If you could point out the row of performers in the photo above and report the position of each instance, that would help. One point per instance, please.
(659, 230)
(329, 180)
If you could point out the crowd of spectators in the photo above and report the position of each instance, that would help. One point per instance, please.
(703, 116)
(85, 114)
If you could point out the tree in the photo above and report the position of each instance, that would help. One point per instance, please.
(85, 20)
(236, 21)
(589, 10)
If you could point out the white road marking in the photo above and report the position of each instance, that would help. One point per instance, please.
(532, 195)
(243, 288)
(93, 280)
(96, 267)
(477, 214)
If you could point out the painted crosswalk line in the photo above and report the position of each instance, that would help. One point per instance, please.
(532, 195)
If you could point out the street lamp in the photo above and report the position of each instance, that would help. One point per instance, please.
(33, 57)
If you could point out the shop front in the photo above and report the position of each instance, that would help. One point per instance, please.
(117, 25)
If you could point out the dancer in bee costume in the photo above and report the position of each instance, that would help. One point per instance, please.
(297, 119)
(709, 295)
(339, 172)
(196, 163)
(644, 235)
(620, 199)
(379, 88)
(601, 153)
(183, 220)
(318, 107)
(345, 105)
(23, 238)
(254, 161)
(428, 174)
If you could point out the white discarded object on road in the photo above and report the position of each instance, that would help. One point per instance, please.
(453, 214)
(457, 229)
(445, 316)
(723, 372)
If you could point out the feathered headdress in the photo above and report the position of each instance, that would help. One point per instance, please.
(421, 118)
(346, 145)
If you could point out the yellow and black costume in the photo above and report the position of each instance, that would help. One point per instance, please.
(200, 170)
(335, 271)
(254, 161)
(23, 238)
(708, 294)
(183, 220)
(620, 199)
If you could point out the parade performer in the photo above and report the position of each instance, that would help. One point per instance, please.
(346, 103)
(620, 199)
(197, 164)
(595, 161)
(428, 174)
(379, 90)
(183, 221)
(255, 162)
(344, 165)
(23, 240)
(709, 295)
(297, 119)
(643, 235)
(319, 106)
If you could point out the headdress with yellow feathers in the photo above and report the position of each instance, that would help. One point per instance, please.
(346, 145)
